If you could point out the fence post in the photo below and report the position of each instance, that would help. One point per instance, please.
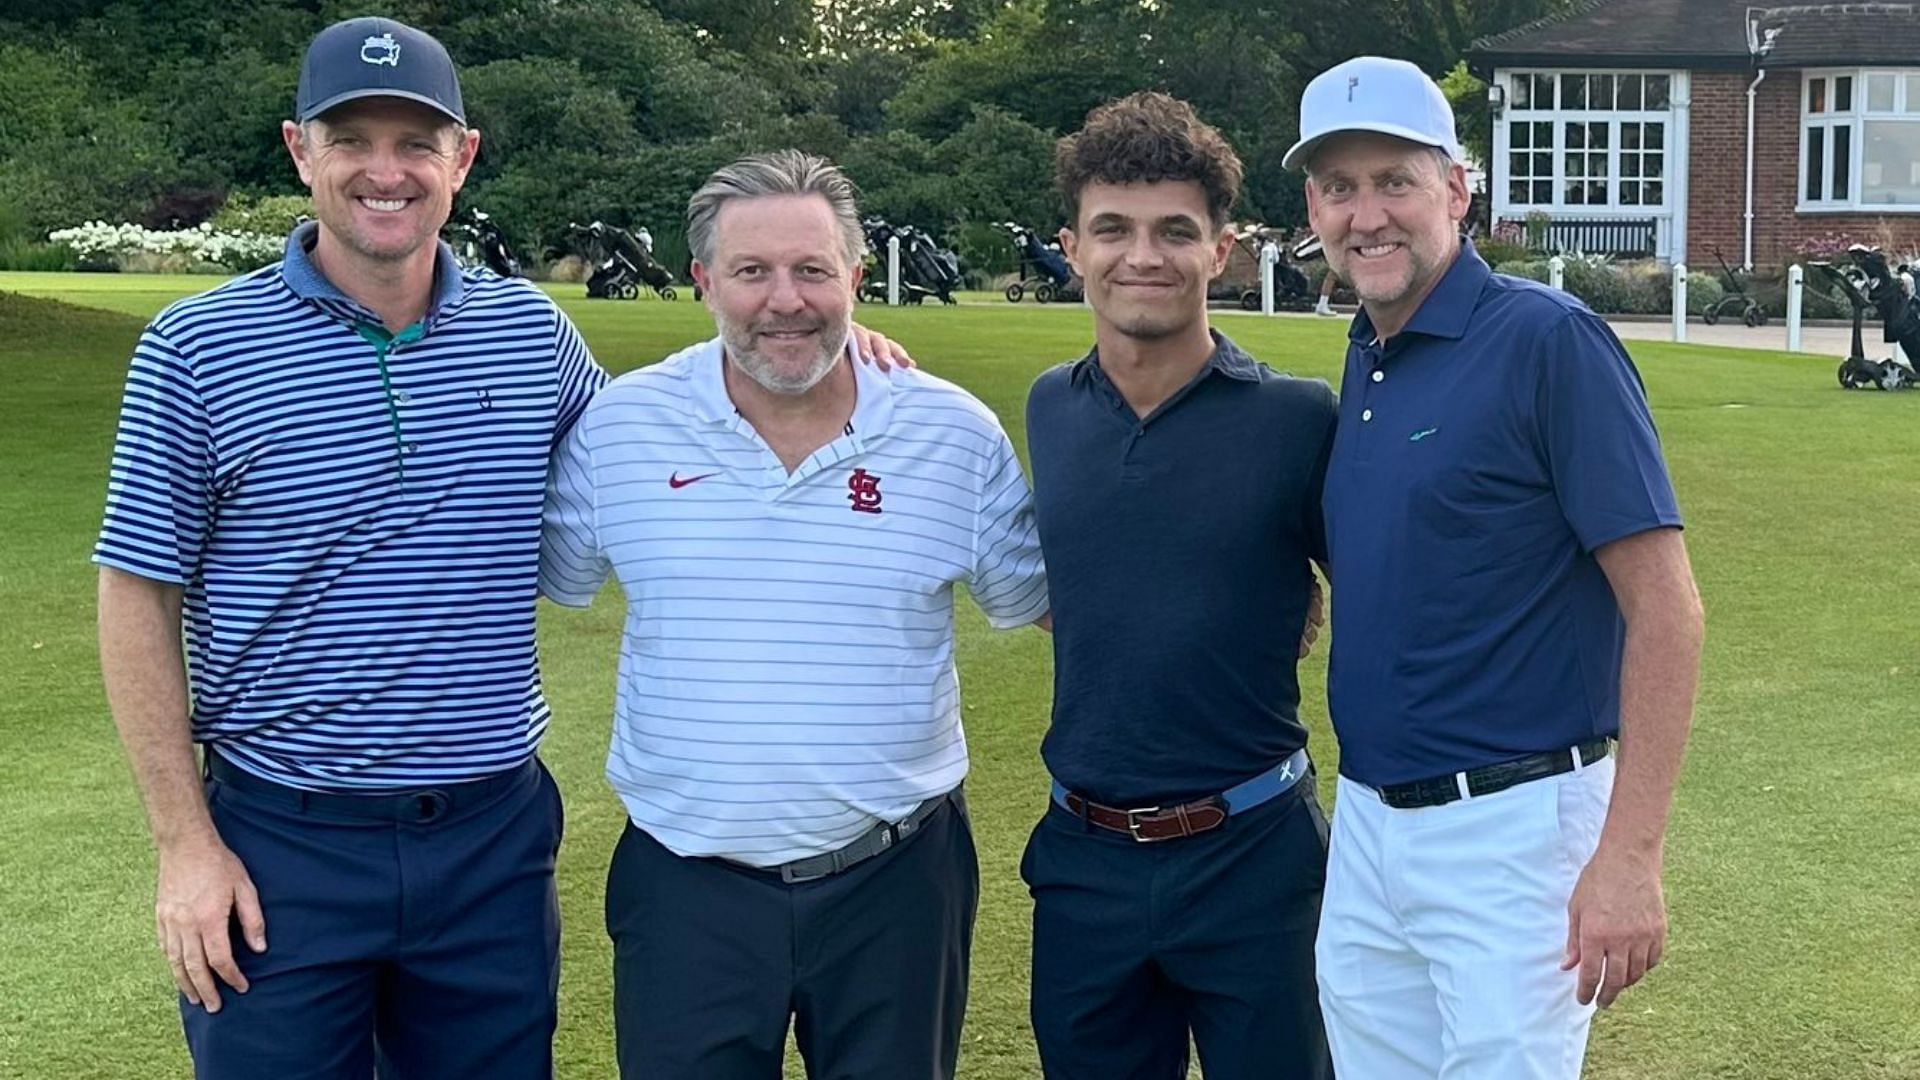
(893, 271)
(1796, 296)
(1557, 272)
(1680, 302)
(1269, 254)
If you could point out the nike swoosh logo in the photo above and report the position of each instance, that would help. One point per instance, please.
(1418, 435)
(676, 482)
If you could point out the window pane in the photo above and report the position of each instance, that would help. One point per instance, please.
(1522, 92)
(1543, 164)
(1597, 136)
(1629, 93)
(1517, 136)
(1816, 155)
(1816, 95)
(1913, 94)
(1543, 135)
(1652, 165)
(1576, 164)
(1652, 195)
(1576, 136)
(1517, 164)
(1599, 91)
(1576, 193)
(1890, 167)
(1629, 164)
(1656, 135)
(1629, 136)
(1657, 91)
(1573, 91)
(1597, 193)
(1629, 193)
(1880, 92)
(1843, 93)
(1517, 191)
(1842, 161)
(1543, 91)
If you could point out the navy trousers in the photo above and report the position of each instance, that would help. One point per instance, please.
(712, 960)
(1137, 945)
(430, 946)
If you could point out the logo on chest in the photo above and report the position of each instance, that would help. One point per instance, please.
(863, 491)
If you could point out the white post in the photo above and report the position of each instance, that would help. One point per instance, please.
(1680, 302)
(1557, 272)
(1796, 295)
(893, 271)
(1269, 254)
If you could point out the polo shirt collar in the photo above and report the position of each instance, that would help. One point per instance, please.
(1227, 358)
(297, 269)
(873, 391)
(1448, 309)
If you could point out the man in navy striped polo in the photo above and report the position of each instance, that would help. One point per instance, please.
(333, 469)
(1176, 874)
(789, 529)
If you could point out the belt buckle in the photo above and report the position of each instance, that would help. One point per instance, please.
(1133, 825)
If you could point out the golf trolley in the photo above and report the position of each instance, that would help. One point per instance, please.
(479, 242)
(1869, 283)
(1043, 269)
(622, 264)
(1292, 291)
(1735, 300)
(926, 269)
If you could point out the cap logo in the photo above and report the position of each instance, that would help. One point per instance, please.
(380, 50)
(1353, 82)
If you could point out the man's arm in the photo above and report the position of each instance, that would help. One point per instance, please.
(1616, 920)
(202, 884)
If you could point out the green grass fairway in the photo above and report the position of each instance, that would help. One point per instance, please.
(1793, 868)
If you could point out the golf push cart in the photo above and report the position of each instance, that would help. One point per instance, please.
(1869, 283)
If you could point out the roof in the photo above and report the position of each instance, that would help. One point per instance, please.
(1708, 34)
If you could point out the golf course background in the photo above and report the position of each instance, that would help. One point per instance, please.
(1793, 867)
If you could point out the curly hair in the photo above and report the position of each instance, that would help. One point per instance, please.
(1144, 138)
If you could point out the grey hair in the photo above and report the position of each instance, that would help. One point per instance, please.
(780, 172)
(1443, 162)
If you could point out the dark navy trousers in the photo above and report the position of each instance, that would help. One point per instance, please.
(431, 947)
(712, 960)
(1136, 946)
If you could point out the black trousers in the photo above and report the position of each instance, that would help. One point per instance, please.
(1137, 945)
(712, 960)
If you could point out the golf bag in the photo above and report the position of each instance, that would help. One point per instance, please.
(1043, 269)
(1292, 291)
(1869, 283)
(621, 263)
(479, 242)
(925, 269)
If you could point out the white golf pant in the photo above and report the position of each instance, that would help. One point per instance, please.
(1443, 929)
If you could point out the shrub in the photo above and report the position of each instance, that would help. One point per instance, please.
(21, 253)
(1496, 251)
(1703, 291)
(269, 215)
(1531, 269)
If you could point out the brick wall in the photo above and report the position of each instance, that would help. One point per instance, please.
(1717, 179)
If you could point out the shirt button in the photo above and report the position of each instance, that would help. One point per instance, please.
(412, 446)
(1377, 376)
(1366, 415)
(403, 397)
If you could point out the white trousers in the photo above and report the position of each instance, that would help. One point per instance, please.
(1443, 929)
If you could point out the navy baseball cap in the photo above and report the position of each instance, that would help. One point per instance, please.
(374, 57)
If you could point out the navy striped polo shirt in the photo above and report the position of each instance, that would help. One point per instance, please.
(354, 517)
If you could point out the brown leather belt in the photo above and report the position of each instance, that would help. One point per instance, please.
(1148, 824)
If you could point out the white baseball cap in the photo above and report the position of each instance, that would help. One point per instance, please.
(1373, 93)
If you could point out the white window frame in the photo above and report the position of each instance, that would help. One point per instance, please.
(1560, 117)
(1905, 110)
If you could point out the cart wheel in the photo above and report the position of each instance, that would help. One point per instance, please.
(1045, 293)
(629, 292)
(1845, 374)
(1710, 315)
(1250, 301)
(1763, 316)
(1015, 291)
(667, 293)
(1753, 316)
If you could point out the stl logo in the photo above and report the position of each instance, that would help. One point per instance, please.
(865, 491)
(380, 50)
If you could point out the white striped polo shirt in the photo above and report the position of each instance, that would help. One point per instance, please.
(786, 672)
(359, 553)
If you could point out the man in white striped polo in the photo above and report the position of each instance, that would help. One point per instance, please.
(334, 467)
(788, 529)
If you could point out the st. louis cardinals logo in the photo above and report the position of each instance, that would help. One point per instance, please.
(864, 491)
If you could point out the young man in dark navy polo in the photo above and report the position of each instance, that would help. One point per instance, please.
(1176, 875)
(1513, 593)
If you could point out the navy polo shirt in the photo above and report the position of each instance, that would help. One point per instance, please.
(1483, 454)
(1177, 552)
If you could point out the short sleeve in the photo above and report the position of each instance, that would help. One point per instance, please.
(581, 376)
(572, 564)
(159, 484)
(1009, 578)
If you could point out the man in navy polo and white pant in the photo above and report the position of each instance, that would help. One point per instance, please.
(334, 469)
(788, 529)
(1512, 592)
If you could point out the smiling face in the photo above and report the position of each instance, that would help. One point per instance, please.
(780, 289)
(1388, 214)
(1146, 252)
(383, 172)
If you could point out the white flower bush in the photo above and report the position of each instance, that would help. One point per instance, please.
(97, 241)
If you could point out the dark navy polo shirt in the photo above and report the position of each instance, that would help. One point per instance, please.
(1483, 454)
(1177, 552)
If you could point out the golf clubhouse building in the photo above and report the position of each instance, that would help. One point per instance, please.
(1672, 128)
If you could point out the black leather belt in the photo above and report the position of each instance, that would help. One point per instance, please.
(1487, 779)
(414, 805)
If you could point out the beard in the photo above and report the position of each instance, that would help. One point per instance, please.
(774, 375)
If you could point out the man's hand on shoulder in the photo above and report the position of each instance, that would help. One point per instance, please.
(872, 347)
